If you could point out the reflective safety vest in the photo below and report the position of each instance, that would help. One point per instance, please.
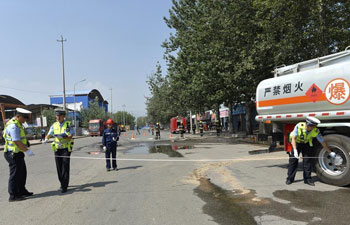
(9, 144)
(302, 136)
(60, 143)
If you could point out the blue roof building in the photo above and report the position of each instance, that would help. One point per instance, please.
(82, 99)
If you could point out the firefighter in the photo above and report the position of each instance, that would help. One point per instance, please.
(62, 146)
(157, 131)
(181, 129)
(301, 139)
(109, 141)
(152, 128)
(218, 127)
(14, 149)
(194, 128)
(201, 128)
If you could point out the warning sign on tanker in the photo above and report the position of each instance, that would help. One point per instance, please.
(314, 92)
(337, 91)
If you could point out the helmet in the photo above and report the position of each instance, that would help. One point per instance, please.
(312, 121)
(157, 123)
(109, 121)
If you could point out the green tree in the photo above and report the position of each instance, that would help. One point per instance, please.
(120, 117)
(50, 116)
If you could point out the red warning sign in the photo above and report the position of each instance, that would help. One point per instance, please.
(314, 92)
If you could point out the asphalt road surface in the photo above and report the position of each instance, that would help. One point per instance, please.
(194, 180)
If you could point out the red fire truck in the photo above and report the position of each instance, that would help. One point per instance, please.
(175, 122)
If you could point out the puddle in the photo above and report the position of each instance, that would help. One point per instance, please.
(165, 149)
(219, 205)
(290, 207)
(170, 150)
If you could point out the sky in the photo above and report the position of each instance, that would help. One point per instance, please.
(110, 43)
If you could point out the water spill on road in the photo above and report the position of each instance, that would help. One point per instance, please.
(221, 205)
(170, 150)
(290, 207)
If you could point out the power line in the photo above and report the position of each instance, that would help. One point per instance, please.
(31, 91)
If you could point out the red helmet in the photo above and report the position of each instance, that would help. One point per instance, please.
(109, 121)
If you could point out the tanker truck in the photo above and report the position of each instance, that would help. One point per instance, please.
(320, 88)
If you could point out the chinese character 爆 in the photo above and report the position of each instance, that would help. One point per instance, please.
(337, 91)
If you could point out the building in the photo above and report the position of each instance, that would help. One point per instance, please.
(80, 100)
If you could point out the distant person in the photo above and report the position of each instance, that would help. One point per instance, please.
(157, 131)
(138, 130)
(194, 128)
(42, 135)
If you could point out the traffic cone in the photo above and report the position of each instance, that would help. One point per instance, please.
(144, 134)
(124, 134)
(133, 136)
(170, 135)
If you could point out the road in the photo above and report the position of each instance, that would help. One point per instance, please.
(163, 186)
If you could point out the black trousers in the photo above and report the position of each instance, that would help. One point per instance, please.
(306, 151)
(111, 149)
(18, 173)
(62, 158)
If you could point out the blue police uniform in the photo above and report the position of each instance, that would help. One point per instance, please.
(109, 139)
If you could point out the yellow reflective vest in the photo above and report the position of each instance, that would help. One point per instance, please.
(9, 144)
(302, 136)
(61, 143)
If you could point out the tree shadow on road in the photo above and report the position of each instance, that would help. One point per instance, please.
(74, 188)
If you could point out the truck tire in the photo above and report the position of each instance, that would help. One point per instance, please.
(327, 170)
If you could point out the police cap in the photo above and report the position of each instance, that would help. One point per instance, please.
(312, 121)
(23, 112)
(60, 112)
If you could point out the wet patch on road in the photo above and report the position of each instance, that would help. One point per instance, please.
(261, 151)
(170, 150)
(290, 207)
(222, 205)
(165, 149)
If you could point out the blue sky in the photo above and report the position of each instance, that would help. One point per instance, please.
(112, 43)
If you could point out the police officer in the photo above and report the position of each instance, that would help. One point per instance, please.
(301, 139)
(157, 131)
(15, 146)
(201, 128)
(109, 141)
(62, 146)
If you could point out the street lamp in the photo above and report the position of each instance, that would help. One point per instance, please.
(124, 114)
(75, 117)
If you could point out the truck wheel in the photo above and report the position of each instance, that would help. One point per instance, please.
(330, 172)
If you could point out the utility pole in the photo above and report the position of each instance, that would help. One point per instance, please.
(64, 82)
(111, 101)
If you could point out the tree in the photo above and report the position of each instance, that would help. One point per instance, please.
(50, 116)
(93, 112)
(120, 117)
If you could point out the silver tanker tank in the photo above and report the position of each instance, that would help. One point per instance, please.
(320, 84)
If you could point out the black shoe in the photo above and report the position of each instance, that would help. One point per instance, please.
(63, 190)
(16, 199)
(108, 169)
(116, 169)
(27, 194)
(288, 182)
(309, 182)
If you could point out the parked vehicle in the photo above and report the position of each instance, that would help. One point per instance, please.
(96, 127)
(175, 122)
(319, 88)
